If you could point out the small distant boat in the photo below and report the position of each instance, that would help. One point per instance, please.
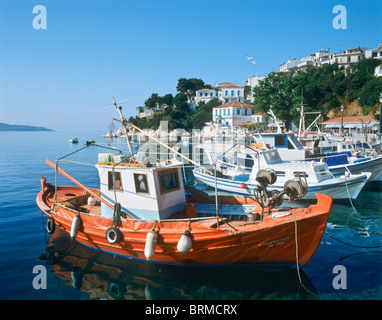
(75, 140)
(89, 142)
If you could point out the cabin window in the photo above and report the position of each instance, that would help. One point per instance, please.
(168, 181)
(280, 140)
(141, 185)
(116, 182)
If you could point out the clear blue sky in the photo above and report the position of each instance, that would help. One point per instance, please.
(55, 77)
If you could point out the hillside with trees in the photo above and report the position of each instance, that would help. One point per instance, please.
(175, 110)
(321, 89)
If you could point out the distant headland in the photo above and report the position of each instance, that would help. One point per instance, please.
(15, 127)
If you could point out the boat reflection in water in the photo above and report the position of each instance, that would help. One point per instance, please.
(105, 276)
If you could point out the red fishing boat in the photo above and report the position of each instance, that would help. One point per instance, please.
(145, 212)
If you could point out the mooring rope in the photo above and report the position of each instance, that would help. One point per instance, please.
(297, 257)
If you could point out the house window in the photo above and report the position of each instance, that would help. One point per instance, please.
(246, 112)
(216, 112)
(226, 92)
(168, 181)
(201, 94)
(229, 112)
(232, 93)
(211, 94)
(238, 92)
(206, 94)
(224, 112)
(141, 185)
(116, 182)
(238, 112)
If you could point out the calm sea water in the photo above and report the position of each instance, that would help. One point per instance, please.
(353, 240)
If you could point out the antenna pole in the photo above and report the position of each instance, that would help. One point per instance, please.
(123, 121)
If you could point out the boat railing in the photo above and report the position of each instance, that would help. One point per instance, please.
(212, 216)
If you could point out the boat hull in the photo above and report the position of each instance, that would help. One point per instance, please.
(372, 165)
(338, 190)
(273, 241)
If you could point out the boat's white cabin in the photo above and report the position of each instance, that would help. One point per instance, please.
(315, 172)
(286, 143)
(147, 193)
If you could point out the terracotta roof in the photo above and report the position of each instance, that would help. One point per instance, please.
(351, 119)
(235, 104)
(251, 123)
(227, 85)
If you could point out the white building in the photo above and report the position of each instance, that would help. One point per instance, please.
(253, 82)
(374, 53)
(260, 117)
(146, 113)
(289, 65)
(228, 92)
(378, 71)
(232, 114)
(316, 59)
(347, 57)
(205, 95)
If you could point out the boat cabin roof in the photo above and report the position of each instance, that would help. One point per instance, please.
(279, 140)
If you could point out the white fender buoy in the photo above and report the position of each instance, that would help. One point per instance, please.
(151, 243)
(185, 242)
(75, 226)
(92, 201)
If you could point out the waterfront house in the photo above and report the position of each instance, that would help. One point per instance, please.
(205, 95)
(351, 125)
(232, 114)
(229, 92)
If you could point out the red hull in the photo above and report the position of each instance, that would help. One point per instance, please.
(236, 242)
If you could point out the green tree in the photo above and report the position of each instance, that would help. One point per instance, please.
(275, 92)
(201, 114)
(190, 86)
(152, 102)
